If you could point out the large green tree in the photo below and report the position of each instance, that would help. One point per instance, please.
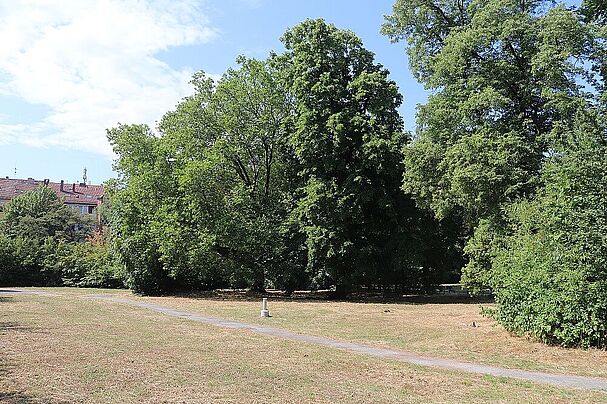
(513, 135)
(507, 79)
(205, 204)
(144, 187)
(360, 228)
(250, 166)
(39, 214)
(285, 172)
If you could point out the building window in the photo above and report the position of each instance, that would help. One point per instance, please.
(84, 209)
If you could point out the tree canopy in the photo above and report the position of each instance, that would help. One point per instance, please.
(295, 172)
(512, 138)
(508, 81)
(39, 214)
(284, 173)
(348, 138)
(217, 183)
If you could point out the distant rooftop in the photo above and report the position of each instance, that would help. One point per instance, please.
(71, 193)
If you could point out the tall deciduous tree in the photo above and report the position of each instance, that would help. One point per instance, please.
(205, 204)
(507, 79)
(251, 118)
(360, 228)
(514, 135)
(145, 186)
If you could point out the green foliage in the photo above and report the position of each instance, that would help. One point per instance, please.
(30, 262)
(39, 213)
(360, 228)
(133, 208)
(91, 264)
(43, 243)
(32, 224)
(551, 272)
(285, 173)
(13, 272)
(508, 79)
(513, 139)
(595, 10)
(205, 205)
(476, 275)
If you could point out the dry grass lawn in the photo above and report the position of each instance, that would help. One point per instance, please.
(442, 330)
(70, 349)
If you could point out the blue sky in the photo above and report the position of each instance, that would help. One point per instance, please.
(71, 69)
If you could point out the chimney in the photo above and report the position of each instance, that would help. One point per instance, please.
(61, 186)
(74, 187)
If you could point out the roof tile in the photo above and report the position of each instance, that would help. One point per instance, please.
(74, 193)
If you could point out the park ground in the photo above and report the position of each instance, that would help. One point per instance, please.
(67, 347)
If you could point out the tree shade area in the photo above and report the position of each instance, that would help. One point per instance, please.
(295, 172)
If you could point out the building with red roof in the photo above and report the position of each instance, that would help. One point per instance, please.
(84, 198)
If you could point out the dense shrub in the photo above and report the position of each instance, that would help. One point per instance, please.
(550, 275)
(30, 262)
(89, 264)
(45, 243)
(11, 270)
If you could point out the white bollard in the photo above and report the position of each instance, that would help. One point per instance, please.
(264, 308)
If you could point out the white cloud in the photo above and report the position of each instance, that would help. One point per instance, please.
(93, 64)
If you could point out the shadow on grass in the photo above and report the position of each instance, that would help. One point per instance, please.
(327, 297)
(6, 326)
(19, 397)
(12, 396)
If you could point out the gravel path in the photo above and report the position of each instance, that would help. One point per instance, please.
(558, 380)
